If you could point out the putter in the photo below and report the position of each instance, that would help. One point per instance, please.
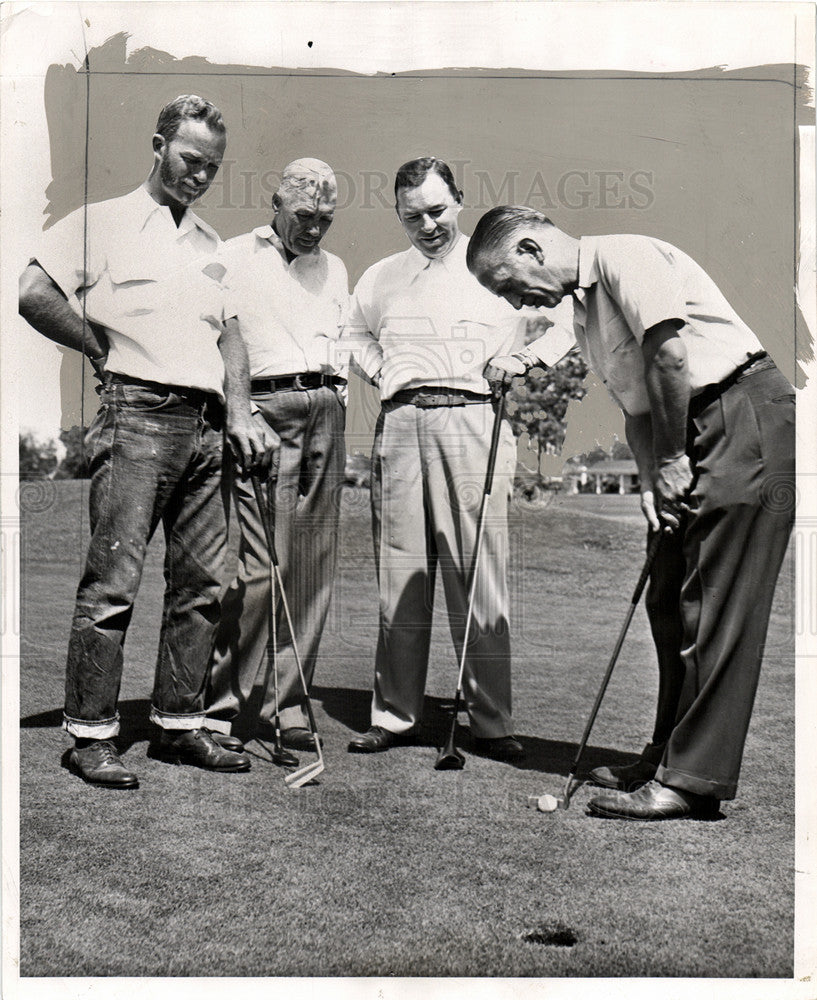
(280, 755)
(450, 758)
(550, 803)
(306, 772)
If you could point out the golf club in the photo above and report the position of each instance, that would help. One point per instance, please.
(309, 771)
(550, 803)
(450, 758)
(280, 756)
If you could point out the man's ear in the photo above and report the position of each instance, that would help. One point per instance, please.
(276, 202)
(530, 247)
(158, 142)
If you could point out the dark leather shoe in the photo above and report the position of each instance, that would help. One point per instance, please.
(225, 741)
(298, 738)
(198, 748)
(629, 777)
(652, 801)
(99, 764)
(375, 739)
(504, 748)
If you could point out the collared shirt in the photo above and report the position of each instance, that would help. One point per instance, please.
(628, 284)
(290, 314)
(419, 321)
(153, 286)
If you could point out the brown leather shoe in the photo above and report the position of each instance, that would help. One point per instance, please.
(374, 740)
(225, 741)
(629, 777)
(198, 748)
(652, 801)
(99, 764)
(504, 748)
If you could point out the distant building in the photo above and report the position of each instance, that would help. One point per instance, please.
(610, 475)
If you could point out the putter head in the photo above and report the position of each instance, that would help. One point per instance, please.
(304, 774)
(449, 759)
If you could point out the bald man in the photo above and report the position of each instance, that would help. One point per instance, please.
(289, 300)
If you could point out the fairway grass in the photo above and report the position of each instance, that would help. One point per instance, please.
(387, 867)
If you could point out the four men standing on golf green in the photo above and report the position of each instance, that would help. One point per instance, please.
(710, 420)
(180, 334)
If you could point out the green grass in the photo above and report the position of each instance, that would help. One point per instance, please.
(388, 867)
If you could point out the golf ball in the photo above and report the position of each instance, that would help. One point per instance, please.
(547, 803)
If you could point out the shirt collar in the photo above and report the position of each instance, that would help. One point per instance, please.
(144, 207)
(417, 260)
(268, 234)
(588, 270)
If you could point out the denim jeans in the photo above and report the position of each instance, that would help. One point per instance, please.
(155, 455)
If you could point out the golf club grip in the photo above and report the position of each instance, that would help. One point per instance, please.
(652, 550)
(499, 413)
(264, 510)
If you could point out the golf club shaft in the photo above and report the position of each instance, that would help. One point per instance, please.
(652, 549)
(472, 581)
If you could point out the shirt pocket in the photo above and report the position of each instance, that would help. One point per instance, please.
(135, 275)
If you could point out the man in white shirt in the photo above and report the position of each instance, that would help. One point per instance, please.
(288, 298)
(148, 313)
(424, 331)
(710, 421)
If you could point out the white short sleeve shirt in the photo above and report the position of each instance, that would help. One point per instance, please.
(290, 314)
(628, 284)
(154, 287)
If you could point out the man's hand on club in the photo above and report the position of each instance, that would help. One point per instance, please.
(502, 370)
(672, 482)
(253, 443)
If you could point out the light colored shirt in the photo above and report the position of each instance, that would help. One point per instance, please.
(628, 284)
(153, 286)
(290, 314)
(416, 321)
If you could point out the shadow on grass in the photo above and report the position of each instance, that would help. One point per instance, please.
(351, 708)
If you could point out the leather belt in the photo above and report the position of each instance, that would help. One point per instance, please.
(425, 396)
(305, 380)
(191, 395)
(756, 363)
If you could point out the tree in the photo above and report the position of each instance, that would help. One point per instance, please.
(538, 406)
(38, 459)
(74, 464)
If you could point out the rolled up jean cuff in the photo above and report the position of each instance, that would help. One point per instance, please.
(165, 721)
(103, 729)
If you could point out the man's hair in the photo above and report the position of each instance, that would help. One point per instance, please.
(498, 226)
(413, 173)
(188, 107)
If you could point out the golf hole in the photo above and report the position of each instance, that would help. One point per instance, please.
(553, 935)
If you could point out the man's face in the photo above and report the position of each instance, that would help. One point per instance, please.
(189, 162)
(517, 275)
(429, 216)
(303, 215)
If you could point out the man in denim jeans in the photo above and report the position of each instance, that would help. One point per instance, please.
(148, 314)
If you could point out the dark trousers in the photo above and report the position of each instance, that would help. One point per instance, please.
(712, 586)
(155, 457)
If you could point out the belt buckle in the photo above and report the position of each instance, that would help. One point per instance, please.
(299, 384)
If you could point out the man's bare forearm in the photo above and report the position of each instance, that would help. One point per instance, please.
(43, 306)
(667, 376)
(236, 369)
(638, 431)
